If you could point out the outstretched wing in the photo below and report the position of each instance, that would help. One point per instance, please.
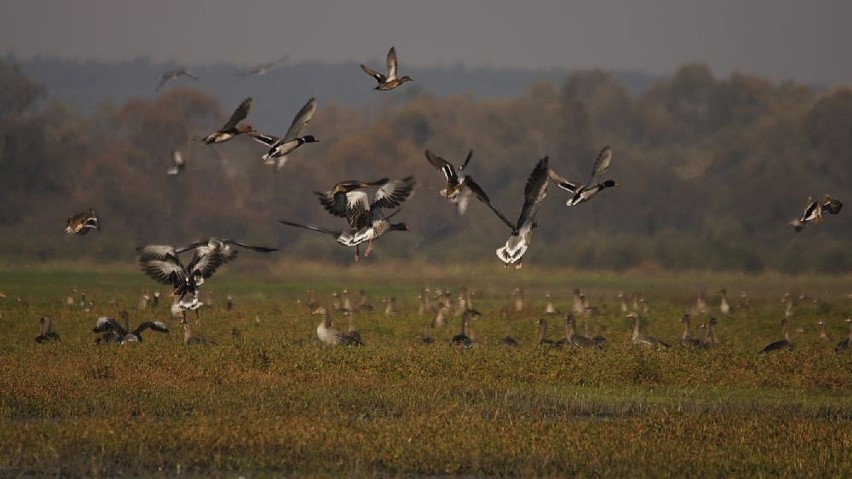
(601, 165)
(379, 77)
(261, 249)
(393, 193)
(301, 119)
(481, 196)
(239, 114)
(567, 185)
(444, 167)
(392, 63)
(534, 192)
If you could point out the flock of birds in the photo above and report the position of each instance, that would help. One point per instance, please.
(367, 218)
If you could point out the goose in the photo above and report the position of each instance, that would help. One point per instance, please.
(390, 80)
(645, 339)
(364, 301)
(847, 342)
(507, 340)
(461, 187)
(578, 306)
(279, 148)
(623, 301)
(178, 164)
(426, 337)
(686, 340)
(231, 128)
(549, 308)
(390, 305)
(173, 75)
(263, 68)
(701, 302)
(462, 339)
(162, 264)
(542, 334)
(80, 223)
(425, 302)
(535, 191)
(581, 193)
(783, 344)
(725, 307)
(351, 331)
(110, 330)
(574, 339)
(710, 338)
(814, 211)
(823, 335)
(190, 337)
(330, 336)
(47, 332)
(520, 301)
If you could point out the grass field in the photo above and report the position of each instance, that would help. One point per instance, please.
(275, 402)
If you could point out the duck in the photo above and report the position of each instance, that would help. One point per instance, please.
(814, 211)
(162, 264)
(645, 339)
(582, 193)
(232, 127)
(783, 344)
(279, 148)
(81, 223)
(112, 331)
(173, 75)
(47, 332)
(686, 340)
(263, 68)
(460, 187)
(535, 191)
(178, 164)
(390, 80)
(846, 342)
(330, 336)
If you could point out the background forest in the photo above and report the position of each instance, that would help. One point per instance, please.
(710, 170)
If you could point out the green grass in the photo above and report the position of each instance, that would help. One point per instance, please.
(275, 402)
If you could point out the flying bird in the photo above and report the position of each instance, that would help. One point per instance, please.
(585, 192)
(391, 80)
(279, 148)
(814, 211)
(173, 75)
(263, 68)
(162, 264)
(231, 128)
(112, 331)
(178, 163)
(81, 223)
(534, 193)
(460, 187)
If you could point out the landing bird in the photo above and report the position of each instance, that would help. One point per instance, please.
(173, 75)
(279, 148)
(81, 223)
(580, 192)
(106, 324)
(519, 241)
(231, 128)
(390, 80)
(814, 211)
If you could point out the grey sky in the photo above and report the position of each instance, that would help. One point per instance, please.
(806, 41)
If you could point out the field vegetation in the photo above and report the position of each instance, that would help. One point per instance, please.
(269, 400)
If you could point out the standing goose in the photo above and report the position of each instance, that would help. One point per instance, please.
(462, 339)
(47, 332)
(710, 338)
(686, 340)
(330, 336)
(542, 334)
(549, 308)
(80, 223)
(783, 344)
(823, 334)
(279, 148)
(461, 187)
(847, 342)
(120, 334)
(645, 339)
(574, 339)
(173, 75)
(390, 80)
(351, 331)
(231, 128)
(814, 211)
(725, 307)
(190, 337)
(535, 191)
(580, 192)
(507, 340)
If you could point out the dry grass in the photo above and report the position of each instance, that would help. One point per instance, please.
(275, 402)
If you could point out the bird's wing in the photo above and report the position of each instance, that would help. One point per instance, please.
(155, 325)
(310, 227)
(358, 209)
(301, 119)
(164, 271)
(466, 160)
(481, 196)
(263, 138)
(379, 77)
(205, 262)
(601, 165)
(157, 251)
(392, 63)
(334, 204)
(239, 114)
(261, 249)
(444, 167)
(188, 73)
(163, 79)
(567, 185)
(393, 193)
(534, 192)
(105, 323)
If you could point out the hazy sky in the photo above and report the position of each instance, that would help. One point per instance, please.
(806, 41)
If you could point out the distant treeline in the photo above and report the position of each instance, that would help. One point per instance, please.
(709, 170)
